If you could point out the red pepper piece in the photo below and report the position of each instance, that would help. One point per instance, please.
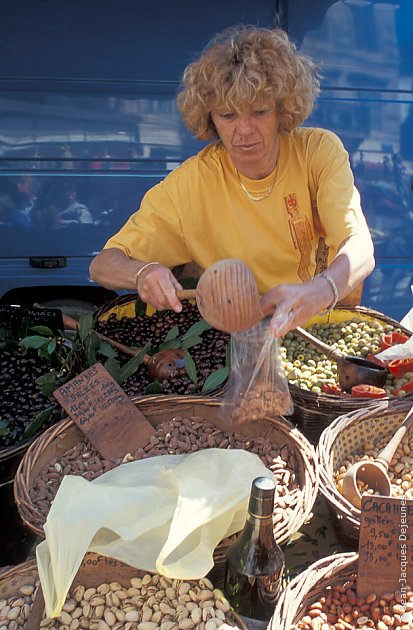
(398, 337)
(372, 357)
(407, 387)
(398, 367)
(391, 339)
(367, 391)
(385, 341)
(332, 389)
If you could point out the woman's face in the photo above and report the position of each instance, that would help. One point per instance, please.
(251, 139)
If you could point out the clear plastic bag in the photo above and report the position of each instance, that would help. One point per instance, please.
(258, 386)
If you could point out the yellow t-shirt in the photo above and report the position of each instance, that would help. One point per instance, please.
(200, 213)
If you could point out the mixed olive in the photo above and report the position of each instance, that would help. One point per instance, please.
(209, 355)
(307, 368)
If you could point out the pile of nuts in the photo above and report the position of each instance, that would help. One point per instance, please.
(306, 366)
(400, 469)
(151, 602)
(257, 405)
(339, 608)
(176, 436)
(15, 611)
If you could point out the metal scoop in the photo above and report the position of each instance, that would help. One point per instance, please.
(374, 473)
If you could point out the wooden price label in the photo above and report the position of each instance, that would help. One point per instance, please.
(385, 545)
(104, 413)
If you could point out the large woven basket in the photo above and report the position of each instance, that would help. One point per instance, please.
(94, 570)
(131, 306)
(345, 436)
(308, 586)
(314, 412)
(63, 436)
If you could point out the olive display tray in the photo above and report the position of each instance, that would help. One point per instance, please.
(314, 412)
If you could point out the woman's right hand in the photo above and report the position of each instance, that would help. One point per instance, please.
(156, 285)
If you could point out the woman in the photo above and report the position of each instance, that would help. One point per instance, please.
(265, 191)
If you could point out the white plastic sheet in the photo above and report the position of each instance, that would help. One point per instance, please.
(164, 514)
(401, 350)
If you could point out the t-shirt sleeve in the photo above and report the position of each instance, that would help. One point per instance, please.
(154, 232)
(337, 199)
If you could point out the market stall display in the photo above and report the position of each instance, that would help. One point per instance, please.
(184, 424)
(205, 349)
(371, 476)
(313, 379)
(356, 436)
(113, 594)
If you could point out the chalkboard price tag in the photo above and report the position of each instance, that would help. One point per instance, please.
(385, 545)
(14, 317)
(104, 413)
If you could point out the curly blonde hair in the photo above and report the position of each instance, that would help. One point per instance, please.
(243, 67)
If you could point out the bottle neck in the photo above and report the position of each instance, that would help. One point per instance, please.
(258, 528)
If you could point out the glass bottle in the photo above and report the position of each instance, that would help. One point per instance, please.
(255, 562)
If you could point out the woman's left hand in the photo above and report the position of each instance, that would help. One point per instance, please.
(293, 305)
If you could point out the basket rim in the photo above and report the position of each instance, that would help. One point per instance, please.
(322, 570)
(327, 439)
(310, 471)
(18, 569)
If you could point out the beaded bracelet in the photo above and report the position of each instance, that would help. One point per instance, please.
(143, 269)
(333, 286)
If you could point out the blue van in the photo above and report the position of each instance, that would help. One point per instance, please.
(88, 122)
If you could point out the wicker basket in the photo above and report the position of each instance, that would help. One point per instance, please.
(345, 436)
(313, 412)
(131, 306)
(63, 436)
(95, 570)
(306, 588)
(11, 579)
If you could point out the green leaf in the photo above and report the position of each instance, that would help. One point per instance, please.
(92, 344)
(49, 377)
(43, 330)
(189, 342)
(153, 388)
(173, 333)
(51, 346)
(175, 344)
(133, 364)
(215, 379)
(37, 423)
(106, 349)
(85, 325)
(48, 383)
(190, 368)
(35, 341)
(4, 427)
(113, 367)
(197, 329)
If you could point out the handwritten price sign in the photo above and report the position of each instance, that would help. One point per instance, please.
(385, 545)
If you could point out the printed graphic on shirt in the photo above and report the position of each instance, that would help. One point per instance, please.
(301, 235)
